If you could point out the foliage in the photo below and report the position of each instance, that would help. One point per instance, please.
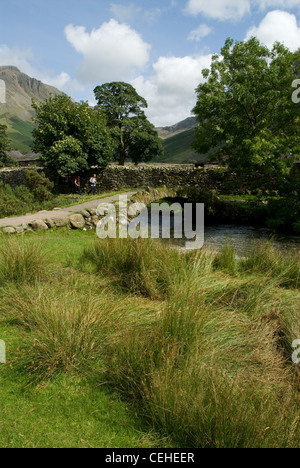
(245, 111)
(134, 135)
(35, 196)
(12, 201)
(284, 214)
(72, 137)
(4, 147)
(39, 185)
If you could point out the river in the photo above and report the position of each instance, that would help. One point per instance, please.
(240, 237)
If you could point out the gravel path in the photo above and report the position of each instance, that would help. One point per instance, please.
(59, 213)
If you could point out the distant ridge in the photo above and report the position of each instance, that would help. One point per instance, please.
(177, 143)
(184, 125)
(17, 112)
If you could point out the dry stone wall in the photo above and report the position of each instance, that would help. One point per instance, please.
(115, 177)
(88, 219)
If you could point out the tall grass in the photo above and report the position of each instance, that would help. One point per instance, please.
(22, 262)
(264, 259)
(201, 342)
(69, 323)
(140, 266)
(211, 371)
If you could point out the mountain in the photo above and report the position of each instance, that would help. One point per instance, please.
(177, 143)
(17, 112)
(185, 125)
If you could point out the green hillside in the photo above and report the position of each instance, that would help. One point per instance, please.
(20, 133)
(16, 112)
(178, 149)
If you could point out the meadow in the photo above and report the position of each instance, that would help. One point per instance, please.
(131, 343)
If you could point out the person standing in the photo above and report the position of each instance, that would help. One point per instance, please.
(93, 184)
(77, 185)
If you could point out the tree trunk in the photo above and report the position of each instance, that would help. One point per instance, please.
(122, 153)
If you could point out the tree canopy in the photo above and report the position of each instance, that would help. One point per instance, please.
(245, 110)
(4, 146)
(135, 137)
(71, 137)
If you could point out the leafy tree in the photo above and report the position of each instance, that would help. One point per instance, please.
(245, 111)
(4, 147)
(144, 144)
(71, 137)
(134, 135)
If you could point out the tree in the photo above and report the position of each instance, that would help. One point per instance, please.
(245, 111)
(71, 137)
(144, 144)
(134, 135)
(4, 147)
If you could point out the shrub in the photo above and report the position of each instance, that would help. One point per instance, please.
(39, 185)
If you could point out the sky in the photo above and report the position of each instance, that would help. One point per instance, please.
(160, 47)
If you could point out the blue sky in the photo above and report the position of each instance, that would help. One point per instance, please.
(158, 46)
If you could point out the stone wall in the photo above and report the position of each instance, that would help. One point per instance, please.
(116, 178)
(88, 219)
(14, 177)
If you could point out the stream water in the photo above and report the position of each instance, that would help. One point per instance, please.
(240, 237)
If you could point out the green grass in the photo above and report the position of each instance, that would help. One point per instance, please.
(68, 406)
(68, 411)
(182, 350)
(20, 133)
(178, 149)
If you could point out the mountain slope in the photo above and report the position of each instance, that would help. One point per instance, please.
(177, 141)
(184, 125)
(17, 112)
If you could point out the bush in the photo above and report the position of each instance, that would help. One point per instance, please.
(39, 185)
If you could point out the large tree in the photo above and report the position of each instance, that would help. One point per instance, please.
(134, 135)
(245, 110)
(4, 147)
(71, 137)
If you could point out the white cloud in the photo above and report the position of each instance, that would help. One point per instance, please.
(219, 9)
(22, 58)
(277, 26)
(124, 13)
(113, 52)
(16, 57)
(152, 15)
(224, 10)
(199, 33)
(264, 4)
(170, 91)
